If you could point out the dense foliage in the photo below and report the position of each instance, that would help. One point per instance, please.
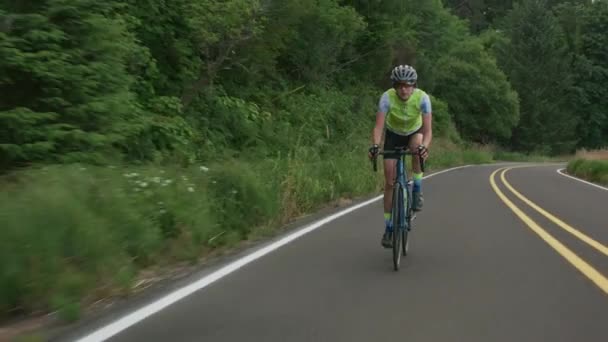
(555, 55)
(189, 80)
(261, 109)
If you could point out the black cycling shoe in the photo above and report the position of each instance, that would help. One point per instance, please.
(387, 240)
(418, 201)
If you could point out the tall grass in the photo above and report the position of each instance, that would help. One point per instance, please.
(600, 154)
(446, 154)
(69, 232)
(501, 155)
(73, 234)
(595, 170)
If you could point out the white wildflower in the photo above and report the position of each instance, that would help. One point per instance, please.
(190, 189)
(204, 168)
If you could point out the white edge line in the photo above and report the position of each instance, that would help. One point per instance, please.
(140, 314)
(580, 180)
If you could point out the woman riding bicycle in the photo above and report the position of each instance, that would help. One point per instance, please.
(404, 117)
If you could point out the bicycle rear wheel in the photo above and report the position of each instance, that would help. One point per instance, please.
(397, 224)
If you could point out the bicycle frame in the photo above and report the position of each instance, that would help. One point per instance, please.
(402, 202)
(401, 178)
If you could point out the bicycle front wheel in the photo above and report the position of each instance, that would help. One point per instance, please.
(405, 236)
(406, 242)
(397, 218)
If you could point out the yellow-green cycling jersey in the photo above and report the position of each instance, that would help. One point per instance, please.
(404, 117)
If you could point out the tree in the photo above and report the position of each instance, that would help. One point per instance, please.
(323, 35)
(483, 105)
(218, 28)
(586, 25)
(64, 85)
(538, 64)
(595, 49)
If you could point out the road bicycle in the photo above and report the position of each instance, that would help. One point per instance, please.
(402, 214)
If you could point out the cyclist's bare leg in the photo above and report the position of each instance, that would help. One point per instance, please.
(415, 141)
(389, 182)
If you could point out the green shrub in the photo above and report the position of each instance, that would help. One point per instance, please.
(591, 170)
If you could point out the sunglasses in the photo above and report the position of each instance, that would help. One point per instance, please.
(403, 85)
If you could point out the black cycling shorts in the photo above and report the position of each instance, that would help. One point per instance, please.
(393, 140)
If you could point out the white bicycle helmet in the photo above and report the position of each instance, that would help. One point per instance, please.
(404, 74)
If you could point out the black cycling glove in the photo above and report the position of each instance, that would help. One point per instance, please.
(373, 151)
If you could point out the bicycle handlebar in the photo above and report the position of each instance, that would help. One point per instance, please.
(400, 153)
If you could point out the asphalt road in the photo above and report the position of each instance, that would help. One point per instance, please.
(476, 272)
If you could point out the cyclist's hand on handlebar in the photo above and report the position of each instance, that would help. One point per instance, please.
(423, 151)
(373, 151)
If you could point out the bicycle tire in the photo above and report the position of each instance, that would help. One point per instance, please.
(408, 215)
(405, 242)
(397, 229)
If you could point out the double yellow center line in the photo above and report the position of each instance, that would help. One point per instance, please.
(600, 280)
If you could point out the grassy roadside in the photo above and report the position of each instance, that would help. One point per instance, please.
(114, 227)
(590, 165)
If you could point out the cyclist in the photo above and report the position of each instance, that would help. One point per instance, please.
(405, 117)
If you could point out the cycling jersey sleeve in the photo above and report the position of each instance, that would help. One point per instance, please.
(425, 106)
(384, 104)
